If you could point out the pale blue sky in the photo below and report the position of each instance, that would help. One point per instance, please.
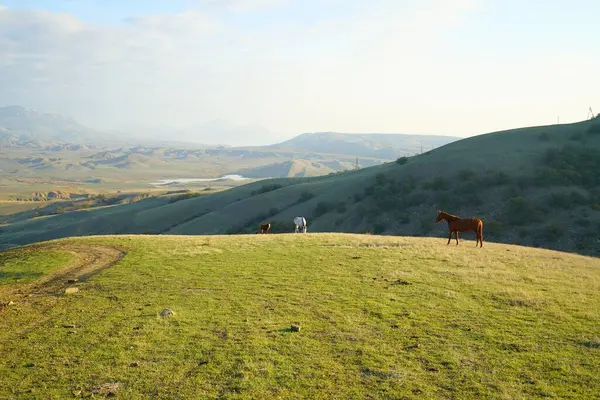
(422, 66)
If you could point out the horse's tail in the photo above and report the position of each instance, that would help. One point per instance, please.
(480, 230)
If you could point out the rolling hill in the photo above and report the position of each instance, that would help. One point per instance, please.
(296, 316)
(291, 169)
(373, 145)
(537, 186)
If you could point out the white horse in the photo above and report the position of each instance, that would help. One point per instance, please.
(300, 222)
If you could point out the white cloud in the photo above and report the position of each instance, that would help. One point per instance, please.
(385, 65)
(235, 5)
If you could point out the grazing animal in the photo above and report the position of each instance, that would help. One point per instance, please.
(300, 223)
(265, 228)
(456, 224)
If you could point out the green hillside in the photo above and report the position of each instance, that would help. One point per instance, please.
(378, 317)
(292, 169)
(535, 186)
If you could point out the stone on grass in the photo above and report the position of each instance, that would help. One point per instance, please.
(167, 312)
(109, 389)
(71, 290)
(295, 328)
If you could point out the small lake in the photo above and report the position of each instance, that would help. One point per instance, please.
(187, 180)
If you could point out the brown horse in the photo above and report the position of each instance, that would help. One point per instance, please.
(265, 228)
(456, 224)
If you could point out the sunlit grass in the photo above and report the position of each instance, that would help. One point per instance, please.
(380, 317)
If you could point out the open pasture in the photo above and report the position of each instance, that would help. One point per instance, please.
(378, 317)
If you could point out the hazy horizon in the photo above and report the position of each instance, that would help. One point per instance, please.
(439, 67)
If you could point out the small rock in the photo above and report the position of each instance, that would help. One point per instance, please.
(76, 393)
(71, 290)
(167, 312)
(107, 389)
(295, 328)
(11, 303)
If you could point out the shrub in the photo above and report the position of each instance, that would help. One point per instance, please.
(466, 174)
(380, 179)
(544, 137)
(594, 129)
(425, 225)
(266, 188)
(567, 200)
(447, 201)
(551, 232)
(184, 196)
(501, 178)
(379, 227)
(438, 183)
(576, 136)
(492, 227)
(322, 207)
(358, 197)
(401, 217)
(571, 165)
(305, 196)
(520, 211)
(414, 199)
(494, 179)
(402, 160)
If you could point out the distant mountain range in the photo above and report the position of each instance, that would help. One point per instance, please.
(30, 128)
(21, 127)
(40, 143)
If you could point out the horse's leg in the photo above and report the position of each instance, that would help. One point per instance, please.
(456, 233)
(449, 238)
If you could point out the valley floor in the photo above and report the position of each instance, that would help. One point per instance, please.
(379, 317)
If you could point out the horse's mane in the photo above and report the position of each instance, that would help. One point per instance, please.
(450, 215)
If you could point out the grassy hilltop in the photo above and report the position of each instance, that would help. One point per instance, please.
(535, 186)
(379, 317)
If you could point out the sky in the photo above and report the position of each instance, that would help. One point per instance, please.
(448, 67)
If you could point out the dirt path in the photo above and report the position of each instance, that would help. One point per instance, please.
(89, 259)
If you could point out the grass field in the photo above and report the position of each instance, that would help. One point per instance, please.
(379, 317)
